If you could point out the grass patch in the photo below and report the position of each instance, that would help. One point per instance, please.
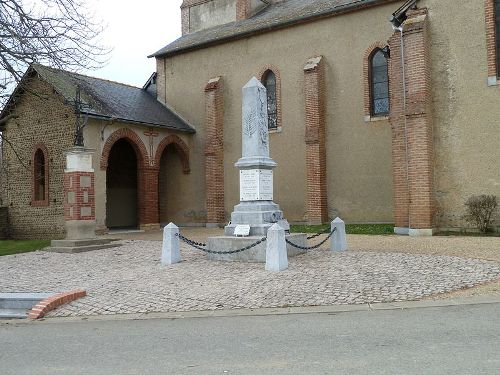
(467, 234)
(370, 229)
(9, 247)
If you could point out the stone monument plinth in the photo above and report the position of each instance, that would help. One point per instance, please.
(256, 211)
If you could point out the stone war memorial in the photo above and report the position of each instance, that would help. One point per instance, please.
(256, 212)
(257, 232)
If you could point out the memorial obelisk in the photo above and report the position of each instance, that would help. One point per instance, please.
(256, 207)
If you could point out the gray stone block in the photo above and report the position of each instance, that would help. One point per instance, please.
(339, 238)
(170, 253)
(276, 255)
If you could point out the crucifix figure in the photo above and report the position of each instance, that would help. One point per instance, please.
(151, 133)
(81, 118)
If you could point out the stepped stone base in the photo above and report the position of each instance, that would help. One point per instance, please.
(80, 246)
(255, 255)
(259, 215)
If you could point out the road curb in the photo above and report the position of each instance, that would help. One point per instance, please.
(332, 309)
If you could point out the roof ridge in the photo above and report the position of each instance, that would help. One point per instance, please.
(87, 76)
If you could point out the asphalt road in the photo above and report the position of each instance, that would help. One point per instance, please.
(445, 340)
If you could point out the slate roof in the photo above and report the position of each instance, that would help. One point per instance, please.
(272, 17)
(110, 100)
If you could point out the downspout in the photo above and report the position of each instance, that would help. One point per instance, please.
(403, 72)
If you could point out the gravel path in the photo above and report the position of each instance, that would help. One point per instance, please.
(130, 279)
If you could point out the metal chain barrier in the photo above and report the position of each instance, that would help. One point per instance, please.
(312, 247)
(201, 246)
(326, 231)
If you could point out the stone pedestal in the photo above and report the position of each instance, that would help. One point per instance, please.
(79, 205)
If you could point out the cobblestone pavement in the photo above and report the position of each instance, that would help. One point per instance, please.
(130, 279)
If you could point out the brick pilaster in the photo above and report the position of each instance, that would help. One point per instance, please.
(314, 88)
(397, 120)
(412, 126)
(149, 216)
(214, 151)
(491, 48)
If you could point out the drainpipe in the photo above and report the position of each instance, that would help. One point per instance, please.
(403, 72)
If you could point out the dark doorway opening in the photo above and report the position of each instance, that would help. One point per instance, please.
(171, 200)
(121, 187)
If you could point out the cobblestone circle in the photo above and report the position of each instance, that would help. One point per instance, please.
(130, 279)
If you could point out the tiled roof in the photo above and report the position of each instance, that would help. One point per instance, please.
(272, 17)
(112, 100)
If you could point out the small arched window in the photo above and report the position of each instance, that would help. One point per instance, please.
(379, 84)
(40, 178)
(269, 81)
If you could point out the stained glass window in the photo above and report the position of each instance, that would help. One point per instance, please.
(269, 81)
(379, 80)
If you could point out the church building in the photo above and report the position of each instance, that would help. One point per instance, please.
(379, 111)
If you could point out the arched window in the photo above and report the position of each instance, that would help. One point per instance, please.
(269, 81)
(379, 84)
(40, 177)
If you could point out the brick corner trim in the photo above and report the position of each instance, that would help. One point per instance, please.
(214, 151)
(213, 84)
(43, 307)
(315, 128)
(489, 9)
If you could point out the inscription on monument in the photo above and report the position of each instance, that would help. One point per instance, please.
(256, 185)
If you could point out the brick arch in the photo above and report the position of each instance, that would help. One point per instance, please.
(181, 148)
(135, 142)
(277, 74)
(366, 76)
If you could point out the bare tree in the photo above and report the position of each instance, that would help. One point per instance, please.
(57, 33)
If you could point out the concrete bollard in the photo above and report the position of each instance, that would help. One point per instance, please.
(276, 254)
(339, 238)
(170, 253)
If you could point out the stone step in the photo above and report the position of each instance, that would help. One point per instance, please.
(80, 243)
(81, 249)
(14, 313)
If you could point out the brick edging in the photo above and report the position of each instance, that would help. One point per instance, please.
(43, 307)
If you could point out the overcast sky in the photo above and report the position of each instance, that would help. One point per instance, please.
(135, 29)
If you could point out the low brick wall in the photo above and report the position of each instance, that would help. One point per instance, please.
(4, 222)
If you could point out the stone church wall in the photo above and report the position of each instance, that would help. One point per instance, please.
(465, 109)
(359, 173)
(43, 118)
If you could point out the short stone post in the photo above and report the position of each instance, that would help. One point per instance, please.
(170, 253)
(276, 254)
(339, 239)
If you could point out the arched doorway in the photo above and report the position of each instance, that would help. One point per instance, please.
(170, 199)
(172, 157)
(121, 186)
